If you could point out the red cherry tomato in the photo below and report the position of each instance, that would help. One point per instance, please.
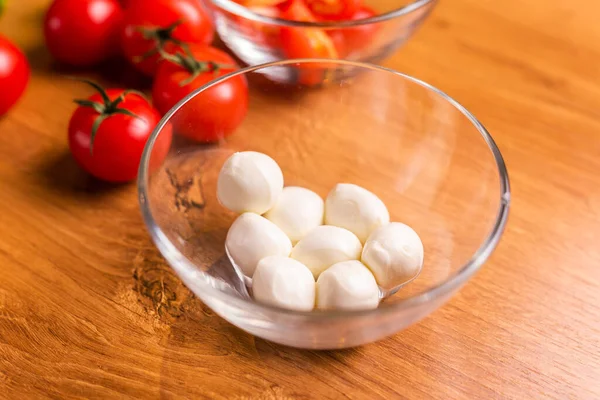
(347, 40)
(83, 32)
(109, 144)
(216, 112)
(14, 74)
(152, 24)
(334, 9)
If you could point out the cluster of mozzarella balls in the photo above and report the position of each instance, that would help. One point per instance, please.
(302, 252)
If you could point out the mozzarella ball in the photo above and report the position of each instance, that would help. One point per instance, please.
(252, 238)
(326, 245)
(347, 285)
(283, 282)
(297, 212)
(249, 182)
(394, 253)
(356, 209)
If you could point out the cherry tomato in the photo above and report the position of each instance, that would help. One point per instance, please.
(14, 74)
(108, 132)
(347, 40)
(334, 9)
(83, 32)
(216, 112)
(151, 25)
(128, 3)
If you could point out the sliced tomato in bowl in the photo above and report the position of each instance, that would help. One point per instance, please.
(302, 42)
(261, 33)
(350, 39)
(334, 9)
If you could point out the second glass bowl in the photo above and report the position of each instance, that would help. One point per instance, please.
(432, 163)
(256, 38)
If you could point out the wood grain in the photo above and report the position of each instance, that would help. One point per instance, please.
(88, 308)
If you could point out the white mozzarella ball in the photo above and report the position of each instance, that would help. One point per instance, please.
(347, 285)
(252, 238)
(394, 253)
(297, 212)
(326, 245)
(356, 209)
(249, 182)
(284, 282)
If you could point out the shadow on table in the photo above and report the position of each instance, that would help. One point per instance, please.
(115, 72)
(58, 171)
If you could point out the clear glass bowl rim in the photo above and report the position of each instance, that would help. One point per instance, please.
(174, 256)
(241, 11)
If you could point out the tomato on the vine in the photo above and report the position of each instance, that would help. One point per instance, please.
(164, 25)
(108, 132)
(14, 74)
(83, 32)
(212, 114)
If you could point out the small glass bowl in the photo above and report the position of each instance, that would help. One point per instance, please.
(432, 163)
(255, 38)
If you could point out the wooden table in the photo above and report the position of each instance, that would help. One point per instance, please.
(82, 290)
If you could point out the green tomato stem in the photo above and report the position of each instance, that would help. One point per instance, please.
(106, 109)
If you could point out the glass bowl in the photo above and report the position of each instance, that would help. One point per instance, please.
(432, 163)
(256, 38)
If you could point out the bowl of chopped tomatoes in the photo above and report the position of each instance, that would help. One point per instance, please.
(260, 31)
